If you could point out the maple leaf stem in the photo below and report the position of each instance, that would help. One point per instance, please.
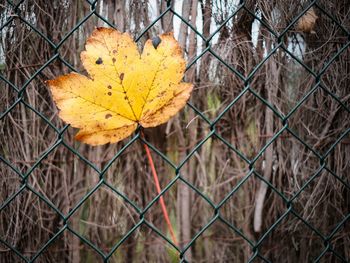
(161, 200)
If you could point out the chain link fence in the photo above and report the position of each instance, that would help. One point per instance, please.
(14, 250)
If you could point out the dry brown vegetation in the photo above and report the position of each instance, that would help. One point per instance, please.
(64, 178)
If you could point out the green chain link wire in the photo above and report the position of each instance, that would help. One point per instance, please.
(177, 168)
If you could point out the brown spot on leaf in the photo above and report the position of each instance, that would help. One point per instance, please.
(108, 115)
(114, 51)
(99, 61)
(109, 93)
(161, 94)
(121, 76)
(109, 87)
(113, 60)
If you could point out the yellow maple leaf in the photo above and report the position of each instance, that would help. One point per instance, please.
(124, 88)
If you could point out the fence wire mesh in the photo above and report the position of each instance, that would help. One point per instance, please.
(14, 14)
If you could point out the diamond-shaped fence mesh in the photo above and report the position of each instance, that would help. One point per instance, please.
(255, 168)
